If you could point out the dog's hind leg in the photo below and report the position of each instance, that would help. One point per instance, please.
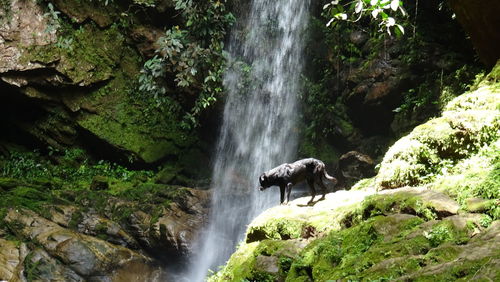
(323, 188)
(282, 194)
(288, 191)
(310, 182)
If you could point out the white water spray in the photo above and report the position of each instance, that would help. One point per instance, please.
(258, 130)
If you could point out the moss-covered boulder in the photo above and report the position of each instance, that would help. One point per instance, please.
(430, 148)
(467, 127)
(387, 235)
(87, 256)
(74, 233)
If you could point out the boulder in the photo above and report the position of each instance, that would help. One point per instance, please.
(354, 166)
(479, 205)
(392, 237)
(175, 230)
(12, 255)
(86, 256)
(268, 264)
(39, 265)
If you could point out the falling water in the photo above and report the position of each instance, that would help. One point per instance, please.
(258, 130)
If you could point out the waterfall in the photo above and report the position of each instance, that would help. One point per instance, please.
(259, 125)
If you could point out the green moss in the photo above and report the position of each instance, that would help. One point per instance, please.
(76, 218)
(85, 55)
(401, 202)
(27, 196)
(477, 176)
(442, 254)
(133, 124)
(463, 270)
(90, 56)
(279, 228)
(350, 253)
(243, 263)
(364, 183)
(150, 193)
(382, 243)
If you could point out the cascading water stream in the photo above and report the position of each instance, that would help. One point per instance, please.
(258, 130)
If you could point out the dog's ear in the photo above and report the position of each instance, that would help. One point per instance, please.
(262, 178)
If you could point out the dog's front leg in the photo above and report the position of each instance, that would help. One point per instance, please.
(282, 194)
(288, 190)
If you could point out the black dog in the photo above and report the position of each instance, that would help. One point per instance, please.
(287, 175)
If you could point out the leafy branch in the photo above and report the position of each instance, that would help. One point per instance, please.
(193, 54)
(377, 10)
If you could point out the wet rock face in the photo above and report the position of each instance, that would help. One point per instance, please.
(76, 84)
(168, 232)
(378, 85)
(174, 231)
(473, 15)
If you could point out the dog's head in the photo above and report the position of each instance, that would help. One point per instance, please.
(264, 182)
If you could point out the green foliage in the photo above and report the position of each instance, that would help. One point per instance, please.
(5, 11)
(438, 235)
(376, 10)
(435, 92)
(75, 168)
(445, 232)
(64, 184)
(53, 19)
(486, 221)
(150, 73)
(319, 110)
(193, 54)
(23, 165)
(28, 196)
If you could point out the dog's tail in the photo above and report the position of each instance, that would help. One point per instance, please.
(330, 178)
